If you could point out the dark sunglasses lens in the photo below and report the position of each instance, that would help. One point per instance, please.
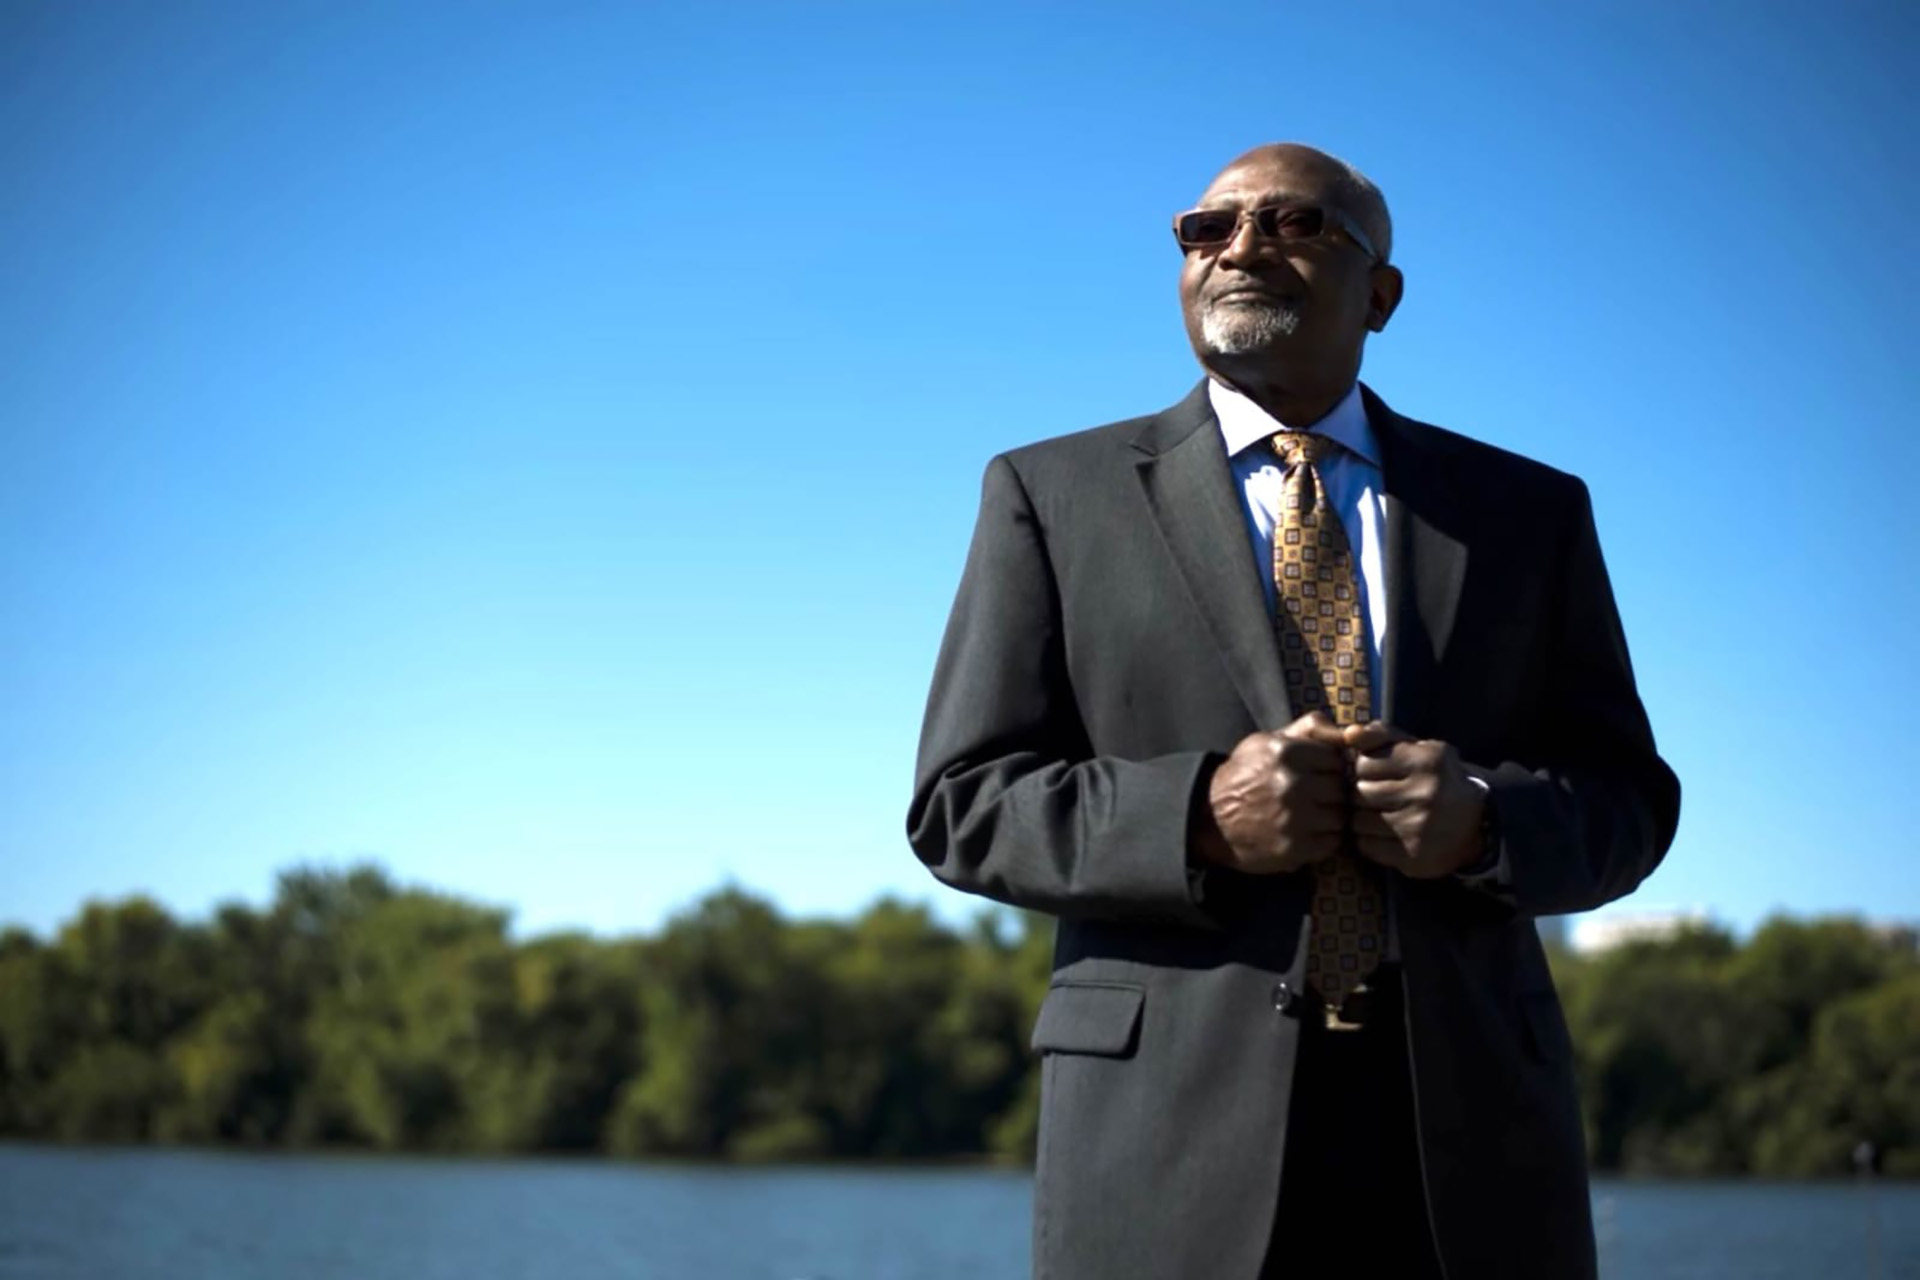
(1206, 227)
(1292, 224)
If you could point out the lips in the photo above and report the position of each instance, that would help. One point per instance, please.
(1251, 294)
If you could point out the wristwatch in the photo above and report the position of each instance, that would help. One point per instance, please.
(1489, 860)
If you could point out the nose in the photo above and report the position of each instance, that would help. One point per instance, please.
(1244, 244)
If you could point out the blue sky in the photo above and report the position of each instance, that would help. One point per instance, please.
(535, 446)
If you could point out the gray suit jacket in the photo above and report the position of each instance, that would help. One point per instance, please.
(1110, 640)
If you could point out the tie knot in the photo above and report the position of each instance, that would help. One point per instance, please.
(1296, 447)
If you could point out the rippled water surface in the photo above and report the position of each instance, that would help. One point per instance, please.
(149, 1215)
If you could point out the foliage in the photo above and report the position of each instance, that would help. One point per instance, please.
(1779, 1057)
(355, 1012)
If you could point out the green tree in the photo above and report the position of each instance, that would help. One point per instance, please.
(126, 979)
(1794, 969)
(575, 1040)
(353, 1011)
(923, 1046)
(37, 1031)
(422, 1017)
(1658, 1043)
(729, 1007)
(1015, 1134)
(1860, 1082)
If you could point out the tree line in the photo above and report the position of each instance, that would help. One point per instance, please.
(355, 1012)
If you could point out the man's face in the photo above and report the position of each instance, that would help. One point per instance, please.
(1307, 303)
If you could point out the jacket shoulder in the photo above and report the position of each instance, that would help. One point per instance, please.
(1076, 451)
(1067, 471)
(1493, 466)
(1114, 445)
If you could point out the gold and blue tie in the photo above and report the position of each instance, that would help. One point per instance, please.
(1323, 650)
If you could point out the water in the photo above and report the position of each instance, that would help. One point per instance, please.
(153, 1215)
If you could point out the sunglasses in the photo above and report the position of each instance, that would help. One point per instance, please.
(1293, 223)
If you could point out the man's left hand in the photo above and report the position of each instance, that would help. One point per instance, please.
(1415, 808)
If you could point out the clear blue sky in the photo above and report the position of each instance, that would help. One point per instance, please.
(535, 446)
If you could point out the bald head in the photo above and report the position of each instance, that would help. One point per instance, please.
(1323, 177)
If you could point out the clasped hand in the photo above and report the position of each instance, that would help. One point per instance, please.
(1285, 800)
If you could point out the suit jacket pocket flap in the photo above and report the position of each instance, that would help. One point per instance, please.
(1084, 1017)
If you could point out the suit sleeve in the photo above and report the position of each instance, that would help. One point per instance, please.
(1009, 800)
(1591, 825)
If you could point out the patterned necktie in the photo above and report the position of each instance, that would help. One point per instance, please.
(1323, 649)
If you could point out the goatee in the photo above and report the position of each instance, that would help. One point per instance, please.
(1241, 328)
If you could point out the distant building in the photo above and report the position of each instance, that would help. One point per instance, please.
(1903, 934)
(1603, 933)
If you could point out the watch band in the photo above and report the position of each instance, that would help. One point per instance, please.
(1489, 859)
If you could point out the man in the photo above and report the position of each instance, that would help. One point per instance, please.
(1295, 713)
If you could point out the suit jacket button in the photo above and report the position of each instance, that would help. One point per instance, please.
(1285, 998)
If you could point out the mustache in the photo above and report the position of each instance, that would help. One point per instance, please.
(1253, 290)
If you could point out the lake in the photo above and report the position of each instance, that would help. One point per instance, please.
(186, 1215)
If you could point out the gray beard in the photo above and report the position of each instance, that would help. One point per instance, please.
(1240, 328)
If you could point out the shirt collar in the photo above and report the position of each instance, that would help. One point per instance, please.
(1244, 424)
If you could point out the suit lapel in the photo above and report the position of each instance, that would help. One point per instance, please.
(1190, 491)
(1426, 561)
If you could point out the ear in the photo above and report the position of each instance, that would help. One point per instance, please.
(1383, 295)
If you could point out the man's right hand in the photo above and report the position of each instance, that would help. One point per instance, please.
(1278, 803)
